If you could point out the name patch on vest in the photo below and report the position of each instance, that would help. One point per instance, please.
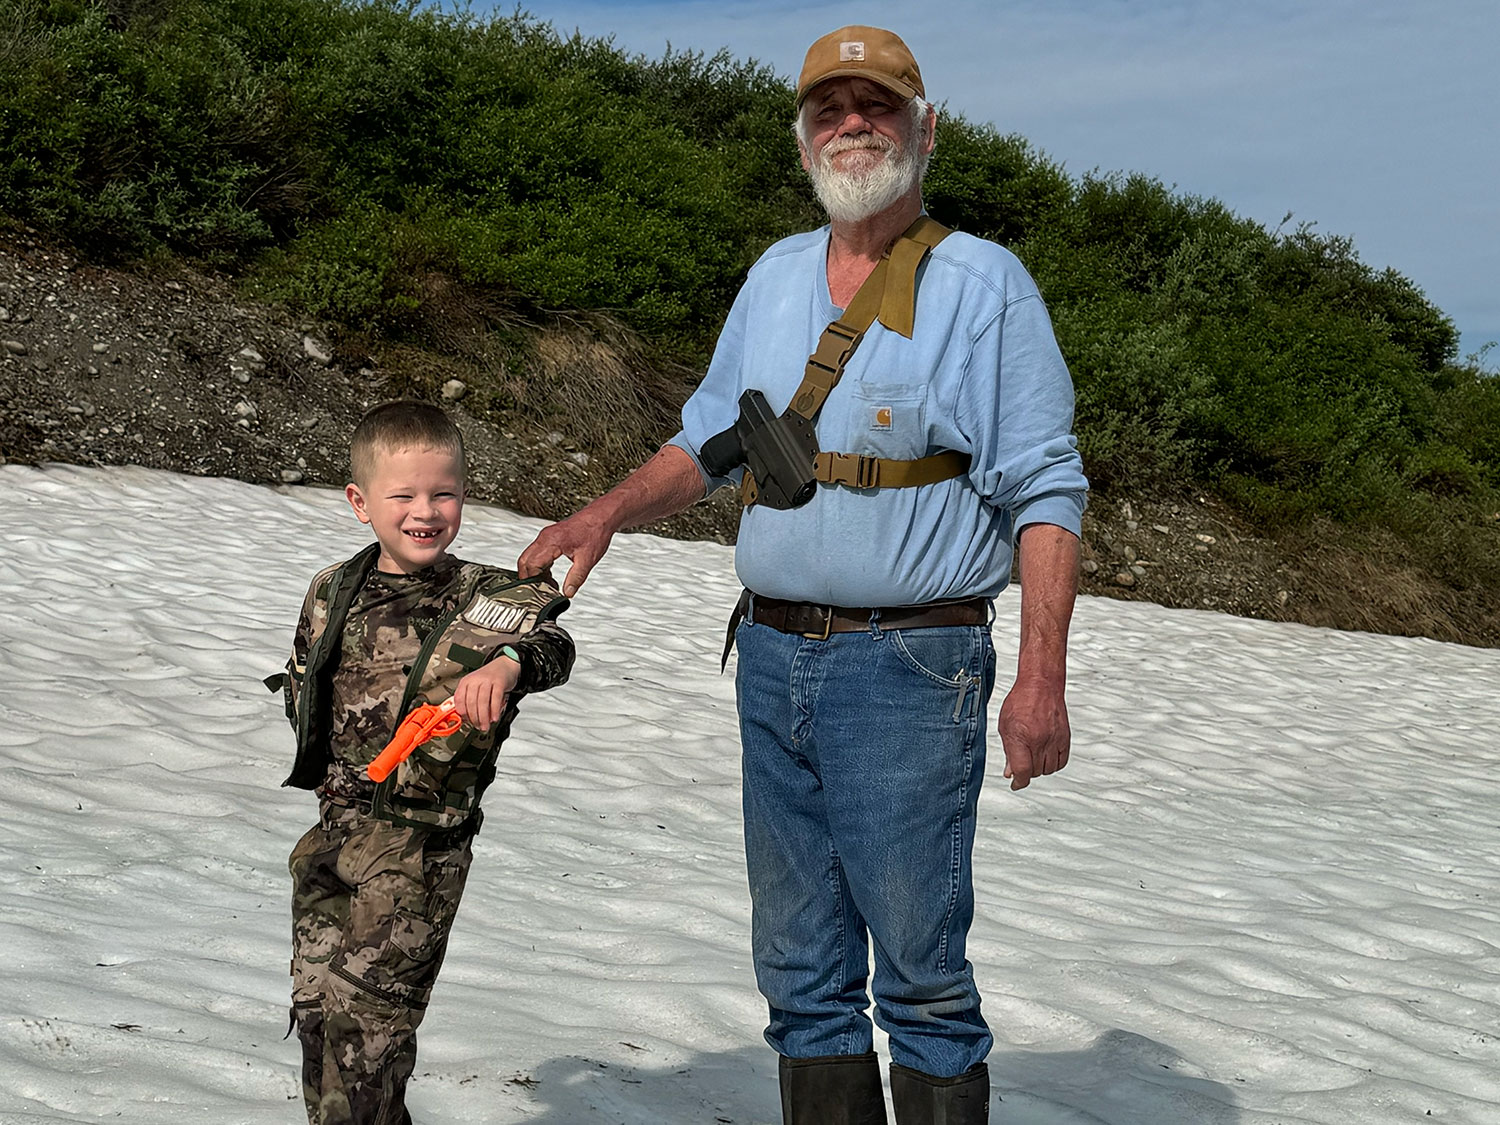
(490, 614)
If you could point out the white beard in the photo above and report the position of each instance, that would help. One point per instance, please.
(867, 188)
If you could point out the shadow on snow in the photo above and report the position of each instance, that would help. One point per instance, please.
(1120, 1079)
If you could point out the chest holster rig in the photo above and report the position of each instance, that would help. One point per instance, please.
(440, 784)
(783, 464)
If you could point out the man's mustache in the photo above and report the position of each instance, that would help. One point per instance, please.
(868, 143)
(851, 144)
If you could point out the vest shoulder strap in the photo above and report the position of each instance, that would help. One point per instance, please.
(313, 720)
(345, 582)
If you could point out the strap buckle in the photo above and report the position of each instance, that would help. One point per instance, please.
(827, 614)
(856, 470)
(846, 332)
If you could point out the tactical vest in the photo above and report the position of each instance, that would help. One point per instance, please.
(440, 784)
(889, 294)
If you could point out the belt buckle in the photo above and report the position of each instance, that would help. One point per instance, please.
(827, 612)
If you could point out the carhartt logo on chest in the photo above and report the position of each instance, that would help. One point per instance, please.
(490, 614)
(880, 417)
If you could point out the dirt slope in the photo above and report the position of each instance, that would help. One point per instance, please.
(173, 370)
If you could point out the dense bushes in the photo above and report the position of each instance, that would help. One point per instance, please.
(555, 168)
(338, 153)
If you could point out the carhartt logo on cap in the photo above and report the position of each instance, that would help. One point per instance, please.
(857, 51)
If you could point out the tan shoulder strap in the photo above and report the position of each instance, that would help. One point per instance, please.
(898, 303)
(888, 294)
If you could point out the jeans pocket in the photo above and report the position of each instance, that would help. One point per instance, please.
(941, 654)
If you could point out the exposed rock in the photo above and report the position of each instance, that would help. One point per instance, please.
(317, 351)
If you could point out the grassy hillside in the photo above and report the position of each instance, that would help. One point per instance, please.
(403, 172)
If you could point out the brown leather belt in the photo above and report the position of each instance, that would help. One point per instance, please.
(819, 621)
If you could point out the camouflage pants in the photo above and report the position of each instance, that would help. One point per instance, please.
(372, 906)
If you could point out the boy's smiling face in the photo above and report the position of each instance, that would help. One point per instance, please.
(413, 501)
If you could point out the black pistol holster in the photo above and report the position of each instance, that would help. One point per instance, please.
(778, 450)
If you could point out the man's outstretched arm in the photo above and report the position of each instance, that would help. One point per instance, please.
(663, 486)
(1034, 717)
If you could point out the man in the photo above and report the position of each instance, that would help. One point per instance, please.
(941, 438)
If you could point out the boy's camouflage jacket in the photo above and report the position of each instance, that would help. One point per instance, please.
(439, 786)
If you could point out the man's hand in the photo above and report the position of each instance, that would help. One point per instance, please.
(1034, 730)
(583, 537)
(479, 697)
(664, 485)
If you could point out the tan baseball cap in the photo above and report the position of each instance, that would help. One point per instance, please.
(861, 52)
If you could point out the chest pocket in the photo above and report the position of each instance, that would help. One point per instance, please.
(887, 420)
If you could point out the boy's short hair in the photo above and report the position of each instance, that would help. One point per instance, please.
(402, 424)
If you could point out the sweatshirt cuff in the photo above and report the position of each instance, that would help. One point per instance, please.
(1064, 509)
(711, 484)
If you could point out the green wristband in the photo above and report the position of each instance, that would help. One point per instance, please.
(509, 650)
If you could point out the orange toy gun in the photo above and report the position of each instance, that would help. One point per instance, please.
(431, 720)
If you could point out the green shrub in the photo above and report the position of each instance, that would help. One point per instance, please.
(354, 158)
(350, 269)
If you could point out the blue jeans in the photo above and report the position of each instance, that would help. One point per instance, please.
(863, 758)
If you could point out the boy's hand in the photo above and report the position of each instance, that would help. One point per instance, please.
(480, 696)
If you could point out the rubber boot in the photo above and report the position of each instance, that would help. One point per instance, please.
(925, 1099)
(832, 1090)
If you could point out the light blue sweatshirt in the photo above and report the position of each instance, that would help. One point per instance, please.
(982, 374)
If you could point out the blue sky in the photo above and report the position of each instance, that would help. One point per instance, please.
(1374, 119)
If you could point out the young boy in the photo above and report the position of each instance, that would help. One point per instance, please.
(376, 883)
